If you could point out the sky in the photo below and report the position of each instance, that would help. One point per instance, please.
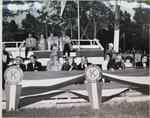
(124, 5)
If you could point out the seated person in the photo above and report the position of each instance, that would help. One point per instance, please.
(30, 44)
(127, 63)
(84, 63)
(19, 62)
(66, 42)
(54, 47)
(54, 64)
(34, 65)
(42, 43)
(115, 63)
(69, 65)
(52, 41)
(105, 63)
(144, 63)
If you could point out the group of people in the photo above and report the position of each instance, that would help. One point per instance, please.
(112, 59)
(115, 60)
(53, 43)
(53, 63)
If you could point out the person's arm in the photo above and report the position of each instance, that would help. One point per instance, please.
(48, 67)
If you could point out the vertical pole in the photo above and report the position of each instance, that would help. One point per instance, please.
(116, 29)
(46, 29)
(95, 94)
(12, 96)
(79, 24)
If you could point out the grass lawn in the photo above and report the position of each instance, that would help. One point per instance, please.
(115, 110)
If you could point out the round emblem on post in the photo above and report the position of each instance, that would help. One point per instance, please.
(93, 73)
(13, 75)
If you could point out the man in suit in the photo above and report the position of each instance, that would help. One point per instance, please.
(34, 65)
(84, 63)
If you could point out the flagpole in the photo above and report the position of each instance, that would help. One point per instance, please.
(78, 24)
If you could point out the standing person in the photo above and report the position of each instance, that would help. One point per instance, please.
(67, 47)
(110, 50)
(19, 62)
(34, 65)
(5, 62)
(30, 44)
(84, 63)
(42, 43)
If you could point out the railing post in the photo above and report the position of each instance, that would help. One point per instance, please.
(12, 96)
(94, 88)
(13, 76)
(95, 94)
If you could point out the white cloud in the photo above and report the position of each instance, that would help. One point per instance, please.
(26, 6)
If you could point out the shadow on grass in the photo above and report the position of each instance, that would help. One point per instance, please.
(30, 100)
(104, 99)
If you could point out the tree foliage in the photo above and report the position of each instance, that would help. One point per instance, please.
(96, 21)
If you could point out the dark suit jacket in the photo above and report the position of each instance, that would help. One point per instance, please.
(83, 68)
(22, 66)
(38, 66)
(115, 65)
(140, 65)
(66, 66)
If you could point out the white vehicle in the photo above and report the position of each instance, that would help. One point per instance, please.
(91, 49)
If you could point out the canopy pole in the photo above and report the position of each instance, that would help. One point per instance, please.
(116, 29)
(78, 25)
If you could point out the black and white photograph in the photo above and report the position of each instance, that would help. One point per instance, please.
(75, 58)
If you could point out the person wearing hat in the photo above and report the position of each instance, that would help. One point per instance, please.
(110, 50)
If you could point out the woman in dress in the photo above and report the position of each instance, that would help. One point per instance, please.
(42, 43)
(52, 42)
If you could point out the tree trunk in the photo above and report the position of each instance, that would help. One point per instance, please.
(95, 32)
